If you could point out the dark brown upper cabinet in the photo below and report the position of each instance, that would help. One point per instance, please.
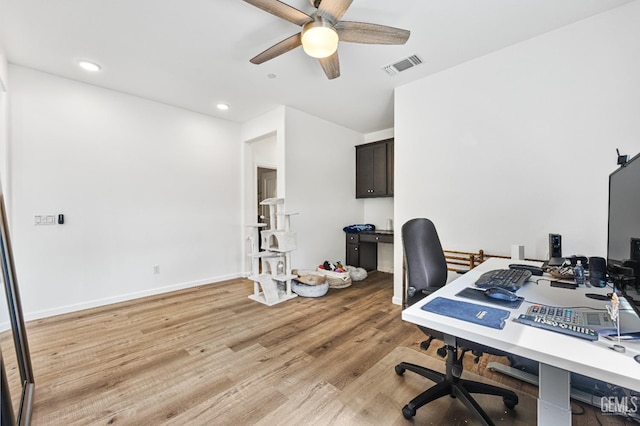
(374, 169)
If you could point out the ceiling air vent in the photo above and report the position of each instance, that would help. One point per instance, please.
(402, 65)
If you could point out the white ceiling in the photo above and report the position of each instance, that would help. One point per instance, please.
(195, 53)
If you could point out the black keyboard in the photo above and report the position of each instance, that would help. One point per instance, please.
(510, 279)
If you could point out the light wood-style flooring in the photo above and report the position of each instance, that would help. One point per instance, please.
(211, 356)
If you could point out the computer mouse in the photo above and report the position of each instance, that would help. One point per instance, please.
(501, 294)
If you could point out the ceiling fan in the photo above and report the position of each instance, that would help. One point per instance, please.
(322, 30)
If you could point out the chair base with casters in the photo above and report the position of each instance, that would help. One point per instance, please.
(424, 272)
(450, 383)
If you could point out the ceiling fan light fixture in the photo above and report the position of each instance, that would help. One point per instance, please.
(319, 38)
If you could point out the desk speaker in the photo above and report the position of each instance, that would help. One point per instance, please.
(555, 245)
(635, 249)
(597, 271)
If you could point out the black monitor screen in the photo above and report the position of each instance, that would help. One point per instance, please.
(624, 211)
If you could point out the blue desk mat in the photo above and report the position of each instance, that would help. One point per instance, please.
(470, 312)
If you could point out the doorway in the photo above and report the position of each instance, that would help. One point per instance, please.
(267, 184)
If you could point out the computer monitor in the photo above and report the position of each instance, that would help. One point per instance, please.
(623, 242)
(624, 213)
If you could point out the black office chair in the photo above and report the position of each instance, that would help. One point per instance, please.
(426, 270)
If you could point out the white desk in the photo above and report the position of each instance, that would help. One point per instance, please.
(558, 354)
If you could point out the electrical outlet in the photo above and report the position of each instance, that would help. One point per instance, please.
(156, 269)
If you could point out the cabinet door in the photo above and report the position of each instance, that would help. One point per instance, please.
(353, 255)
(379, 185)
(371, 170)
(368, 256)
(364, 171)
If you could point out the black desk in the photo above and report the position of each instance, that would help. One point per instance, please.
(362, 248)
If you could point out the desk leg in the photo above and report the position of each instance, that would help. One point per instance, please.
(554, 407)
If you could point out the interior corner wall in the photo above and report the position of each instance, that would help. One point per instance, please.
(3, 66)
(4, 127)
(379, 211)
(270, 123)
(515, 145)
(320, 182)
(141, 184)
(4, 314)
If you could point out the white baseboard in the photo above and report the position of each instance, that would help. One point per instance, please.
(45, 313)
(396, 300)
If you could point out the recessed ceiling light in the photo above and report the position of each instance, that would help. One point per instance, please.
(89, 66)
(271, 76)
(222, 107)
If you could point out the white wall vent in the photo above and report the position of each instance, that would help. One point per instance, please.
(402, 65)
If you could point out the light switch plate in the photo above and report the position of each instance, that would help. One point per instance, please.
(40, 219)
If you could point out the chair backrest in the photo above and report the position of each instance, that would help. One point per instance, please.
(426, 266)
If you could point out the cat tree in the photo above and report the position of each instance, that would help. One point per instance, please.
(272, 285)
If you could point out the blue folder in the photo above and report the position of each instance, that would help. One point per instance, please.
(470, 312)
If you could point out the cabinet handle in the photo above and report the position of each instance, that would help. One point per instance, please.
(355, 248)
(377, 238)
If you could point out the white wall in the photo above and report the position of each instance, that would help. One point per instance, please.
(140, 184)
(4, 141)
(3, 65)
(320, 186)
(4, 314)
(4, 126)
(378, 211)
(534, 125)
(316, 177)
(261, 152)
(266, 125)
(264, 152)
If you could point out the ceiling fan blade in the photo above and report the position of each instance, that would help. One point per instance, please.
(282, 10)
(333, 9)
(362, 32)
(278, 49)
(331, 66)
